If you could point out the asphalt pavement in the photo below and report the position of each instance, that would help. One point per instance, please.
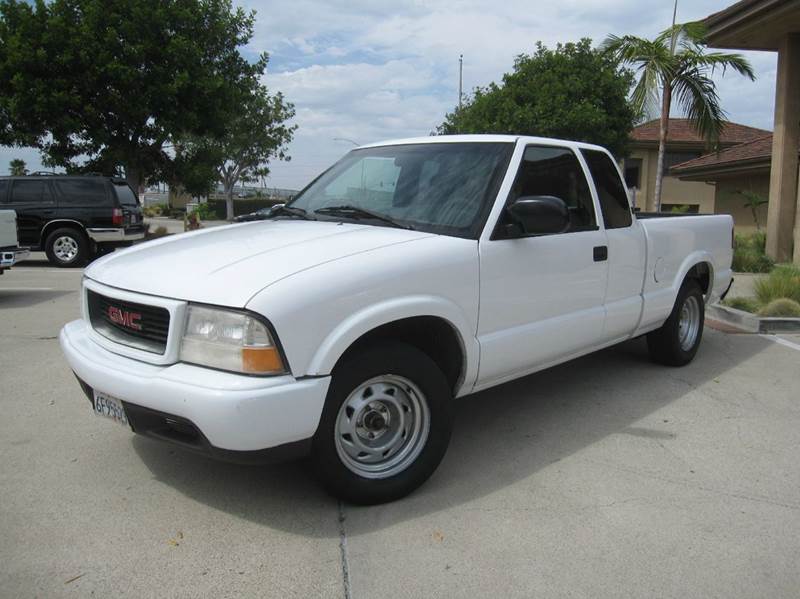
(608, 476)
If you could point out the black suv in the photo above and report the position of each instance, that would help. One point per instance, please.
(73, 217)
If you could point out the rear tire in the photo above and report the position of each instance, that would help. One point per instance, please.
(66, 248)
(385, 426)
(677, 341)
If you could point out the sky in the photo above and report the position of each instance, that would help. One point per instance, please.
(360, 71)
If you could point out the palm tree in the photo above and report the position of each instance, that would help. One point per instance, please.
(675, 66)
(753, 200)
(17, 167)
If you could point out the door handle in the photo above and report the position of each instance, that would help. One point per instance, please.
(600, 253)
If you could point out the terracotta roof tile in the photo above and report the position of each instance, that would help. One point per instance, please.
(758, 148)
(681, 131)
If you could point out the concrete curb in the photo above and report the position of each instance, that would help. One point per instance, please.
(752, 323)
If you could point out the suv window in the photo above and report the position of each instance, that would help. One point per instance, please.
(612, 195)
(3, 189)
(31, 191)
(125, 194)
(548, 171)
(81, 191)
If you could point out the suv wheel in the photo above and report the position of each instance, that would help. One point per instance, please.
(66, 247)
(385, 425)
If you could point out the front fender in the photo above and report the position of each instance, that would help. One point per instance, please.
(371, 317)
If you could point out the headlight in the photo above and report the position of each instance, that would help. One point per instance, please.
(229, 340)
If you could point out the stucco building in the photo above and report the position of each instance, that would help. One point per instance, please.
(773, 25)
(683, 144)
(729, 173)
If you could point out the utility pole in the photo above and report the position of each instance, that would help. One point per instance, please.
(461, 78)
(674, 40)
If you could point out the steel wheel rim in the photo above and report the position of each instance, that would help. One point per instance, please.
(382, 426)
(65, 248)
(689, 323)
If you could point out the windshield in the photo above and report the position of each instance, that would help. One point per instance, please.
(445, 188)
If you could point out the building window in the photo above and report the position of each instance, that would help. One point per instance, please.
(673, 158)
(633, 173)
(681, 208)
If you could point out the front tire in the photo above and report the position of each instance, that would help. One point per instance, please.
(66, 248)
(677, 341)
(385, 426)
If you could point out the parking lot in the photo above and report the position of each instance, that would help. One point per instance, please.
(604, 477)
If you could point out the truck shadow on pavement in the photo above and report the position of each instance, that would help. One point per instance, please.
(501, 436)
(25, 298)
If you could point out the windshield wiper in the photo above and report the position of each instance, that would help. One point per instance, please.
(350, 211)
(284, 210)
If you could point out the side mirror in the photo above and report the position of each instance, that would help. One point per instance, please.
(540, 215)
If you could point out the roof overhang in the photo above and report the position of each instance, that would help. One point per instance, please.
(753, 24)
(713, 172)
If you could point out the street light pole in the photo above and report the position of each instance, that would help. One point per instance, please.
(674, 40)
(461, 78)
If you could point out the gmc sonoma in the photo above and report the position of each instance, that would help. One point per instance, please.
(408, 274)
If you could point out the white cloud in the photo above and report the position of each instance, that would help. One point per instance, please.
(368, 70)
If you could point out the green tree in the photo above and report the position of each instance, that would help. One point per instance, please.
(753, 200)
(675, 66)
(573, 92)
(17, 167)
(257, 134)
(98, 84)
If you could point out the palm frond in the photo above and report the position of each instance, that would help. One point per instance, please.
(696, 95)
(715, 60)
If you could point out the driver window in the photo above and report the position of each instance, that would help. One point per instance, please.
(548, 171)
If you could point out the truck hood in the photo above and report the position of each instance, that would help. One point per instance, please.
(228, 265)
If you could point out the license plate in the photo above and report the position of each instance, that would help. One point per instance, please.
(110, 407)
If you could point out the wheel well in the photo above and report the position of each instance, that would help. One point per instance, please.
(701, 272)
(432, 335)
(59, 224)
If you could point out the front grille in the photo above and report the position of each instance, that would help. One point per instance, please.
(136, 325)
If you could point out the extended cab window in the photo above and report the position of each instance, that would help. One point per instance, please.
(612, 195)
(548, 171)
(82, 191)
(33, 191)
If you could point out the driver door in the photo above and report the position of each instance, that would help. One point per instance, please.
(541, 297)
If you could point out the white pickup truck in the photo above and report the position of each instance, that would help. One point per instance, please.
(407, 275)
(10, 252)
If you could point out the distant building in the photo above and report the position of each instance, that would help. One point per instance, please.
(683, 144)
(745, 167)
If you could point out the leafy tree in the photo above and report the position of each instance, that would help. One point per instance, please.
(96, 84)
(256, 135)
(573, 92)
(753, 200)
(17, 167)
(675, 65)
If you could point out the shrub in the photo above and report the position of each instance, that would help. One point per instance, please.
(781, 307)
(782, 282)
(748, 254)
(748, 304)
(206, 212)
(159, 232)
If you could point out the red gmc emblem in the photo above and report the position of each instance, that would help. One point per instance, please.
(125, 318)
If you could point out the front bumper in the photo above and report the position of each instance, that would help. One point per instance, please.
(232, 413)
